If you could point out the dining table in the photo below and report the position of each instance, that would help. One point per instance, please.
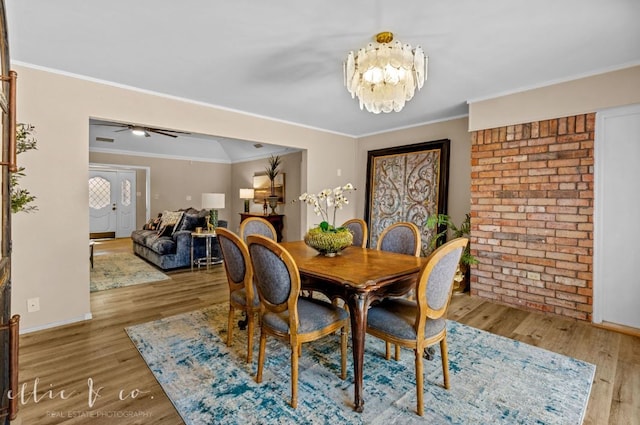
(358, 276)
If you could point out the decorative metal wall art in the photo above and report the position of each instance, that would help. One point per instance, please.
(407, 183)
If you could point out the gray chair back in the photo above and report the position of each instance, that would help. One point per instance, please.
(257, 226)
(233, 258)
(402, 238)
(276, 275)
(358, 228)
(435, 283)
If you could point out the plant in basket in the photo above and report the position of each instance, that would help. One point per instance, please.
(326, 238)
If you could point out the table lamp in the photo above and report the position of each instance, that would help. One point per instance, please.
(246, 194)
(214, 202)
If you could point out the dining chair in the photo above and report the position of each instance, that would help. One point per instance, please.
(286, 315)
(257, 226)
(358, 228)
(421, 323)
(242, 292)
(402, 237)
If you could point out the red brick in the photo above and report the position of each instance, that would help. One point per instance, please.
(532, 203)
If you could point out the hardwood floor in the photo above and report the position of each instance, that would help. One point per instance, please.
(59, 366)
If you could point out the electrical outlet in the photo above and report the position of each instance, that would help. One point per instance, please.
(33, 304)
(188, 197)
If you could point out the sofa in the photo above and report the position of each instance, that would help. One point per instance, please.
(165, 241)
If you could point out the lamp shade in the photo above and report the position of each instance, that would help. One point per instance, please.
(246, 193)
(213, 201)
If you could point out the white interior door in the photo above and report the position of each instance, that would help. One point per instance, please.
(102, 201)
(126, 208)
(617, 228)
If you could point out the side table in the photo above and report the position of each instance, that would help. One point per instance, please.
(208, 260)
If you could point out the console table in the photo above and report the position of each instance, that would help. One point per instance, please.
(276, 220)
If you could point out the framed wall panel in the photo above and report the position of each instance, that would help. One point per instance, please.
(262, 188)
(407, 183)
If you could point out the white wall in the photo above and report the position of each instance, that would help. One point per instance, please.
(50, 247)
(581, 96)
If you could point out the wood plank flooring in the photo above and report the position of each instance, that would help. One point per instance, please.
(65, 362)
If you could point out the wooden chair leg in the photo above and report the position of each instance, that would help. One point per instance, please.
(294, 375)
(230, 326)
(445, 361)
(250, 326)
(397, 352)
(343, 352)
(387, 350)
(263, 343)
(419, 381)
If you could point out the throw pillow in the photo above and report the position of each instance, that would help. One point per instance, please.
(165, 230)
(171, 218)
(191, 220)
(153, 223)
(168, 223)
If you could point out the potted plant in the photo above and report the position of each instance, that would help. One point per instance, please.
(273, 169)
(445, 225)
(326, 238)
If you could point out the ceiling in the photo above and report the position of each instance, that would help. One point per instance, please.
(283, 59)
(105, 137)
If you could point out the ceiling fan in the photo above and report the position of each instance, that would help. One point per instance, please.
(140, 130)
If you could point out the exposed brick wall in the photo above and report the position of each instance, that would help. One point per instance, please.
(532, 215)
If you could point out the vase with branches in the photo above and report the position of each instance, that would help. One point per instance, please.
(273, 169)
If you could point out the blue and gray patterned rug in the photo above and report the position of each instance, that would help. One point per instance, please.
(122, 269)
(494, 380)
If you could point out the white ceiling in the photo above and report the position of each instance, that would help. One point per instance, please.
(105, 136)
(283, 59)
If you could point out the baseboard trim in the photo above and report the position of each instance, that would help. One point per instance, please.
(86, 316)
(627, 330)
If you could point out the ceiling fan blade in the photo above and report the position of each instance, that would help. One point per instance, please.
(110, 125)
(153, 130)
(124, 129)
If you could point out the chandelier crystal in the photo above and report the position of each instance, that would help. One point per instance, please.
(385, 74)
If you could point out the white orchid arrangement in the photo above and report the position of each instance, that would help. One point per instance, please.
(327, 202)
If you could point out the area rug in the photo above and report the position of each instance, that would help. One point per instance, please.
(494, 380)
(122, 269)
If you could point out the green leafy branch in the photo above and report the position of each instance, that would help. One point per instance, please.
(22, 199)
(440, 221)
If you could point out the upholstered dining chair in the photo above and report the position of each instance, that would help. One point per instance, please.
(242, 292)
(284, 313)
(358, 228)
(402, 237)
(257, 226)
(421, 323)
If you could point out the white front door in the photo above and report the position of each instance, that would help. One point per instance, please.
(112, 202)
(617, 227)
(102, 201)
(126, 204)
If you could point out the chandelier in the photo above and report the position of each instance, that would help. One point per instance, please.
(384, 75)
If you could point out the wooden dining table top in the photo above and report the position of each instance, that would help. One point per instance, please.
(354, 266)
